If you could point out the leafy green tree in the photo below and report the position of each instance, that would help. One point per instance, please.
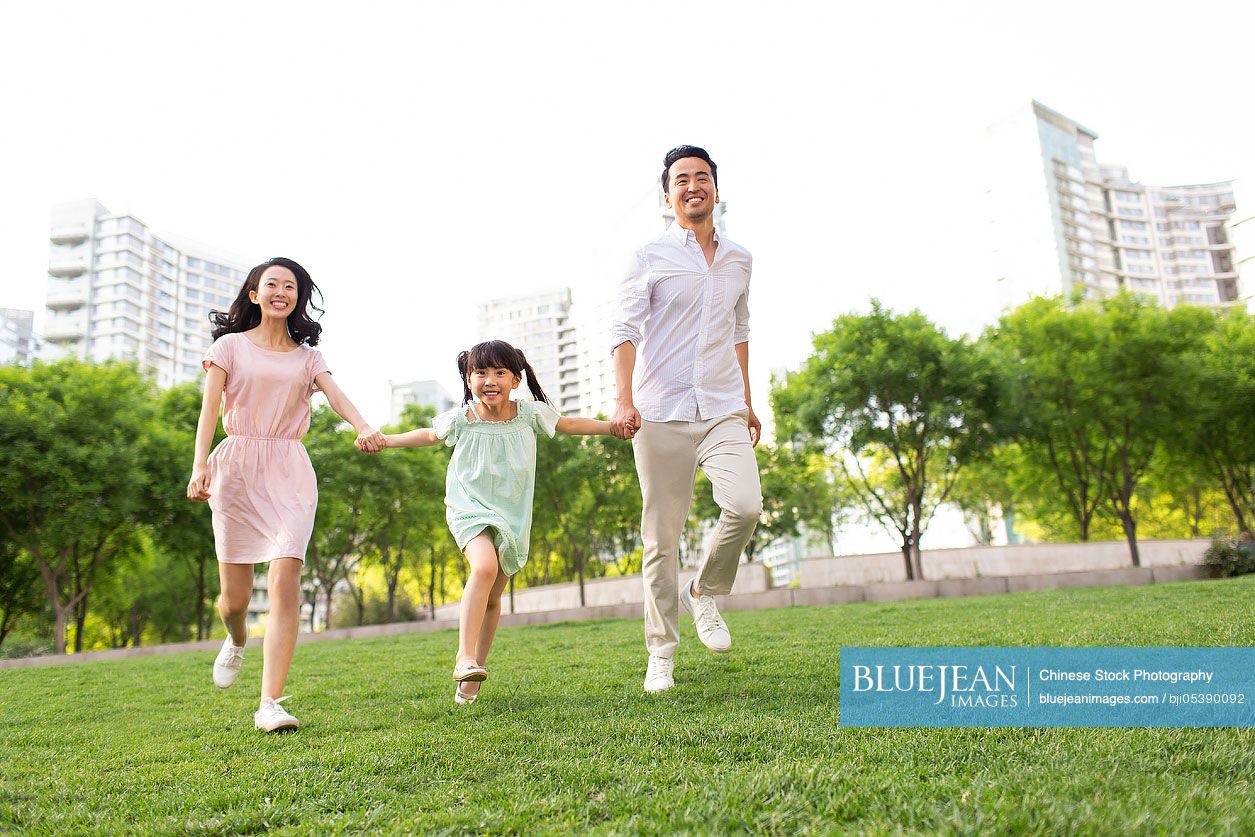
(345, 522)
(406, 496)
(1181, 498)
(896, 389)
(1142, 351)
(587, 505)
(71, 472)
(183, 530)
(1052, 377)
(1217, 424)
(983, 492)
(19, 586)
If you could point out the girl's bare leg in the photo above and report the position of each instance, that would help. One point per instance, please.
(283, 625)
(481, 552)
(236, 583)
(492, 615)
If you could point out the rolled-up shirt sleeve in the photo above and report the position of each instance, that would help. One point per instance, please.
(741, 333)
(631, 304)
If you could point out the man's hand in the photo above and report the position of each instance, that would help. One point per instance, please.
(756, 427)
(626, 420)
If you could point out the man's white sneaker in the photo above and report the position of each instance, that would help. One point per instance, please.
(658, 676)
(227, 665)
(272, 717)
(711, 629)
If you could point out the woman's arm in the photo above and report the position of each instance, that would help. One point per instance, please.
(210, 407)
(576, 426)
(368, 438)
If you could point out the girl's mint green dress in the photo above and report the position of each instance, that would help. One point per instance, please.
(492, 476)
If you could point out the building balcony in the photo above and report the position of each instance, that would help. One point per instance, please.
(67, 298)
(75, 266)
(74, 234)
(58, 330)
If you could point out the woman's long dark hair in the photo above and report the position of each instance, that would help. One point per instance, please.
(245, 314)
(497, 354)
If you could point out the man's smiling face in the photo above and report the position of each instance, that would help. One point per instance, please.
(691, 192)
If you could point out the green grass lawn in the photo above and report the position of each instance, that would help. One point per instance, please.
(563, 738)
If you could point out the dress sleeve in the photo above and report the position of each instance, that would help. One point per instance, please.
(446, 425)
(317, 365)
(220, 354)
(544, 418)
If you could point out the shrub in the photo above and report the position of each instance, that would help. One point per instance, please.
(1231, 557)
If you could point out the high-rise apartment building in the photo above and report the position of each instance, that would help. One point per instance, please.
(594, 316)
(423, 393)
(1061, 221)
(17, 338)
(1242, 233)
(117, 290)
(540, 325)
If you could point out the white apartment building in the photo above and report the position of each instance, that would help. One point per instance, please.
(540, 325)
(1242, 233)
(423, 393)
(593, 319)
(1061, 221)
(117, 290)
(17, 338)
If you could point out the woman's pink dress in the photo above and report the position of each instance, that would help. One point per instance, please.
(262, 488)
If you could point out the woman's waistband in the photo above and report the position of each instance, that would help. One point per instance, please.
(263, 438)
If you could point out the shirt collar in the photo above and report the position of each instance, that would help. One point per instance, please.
(684, 235)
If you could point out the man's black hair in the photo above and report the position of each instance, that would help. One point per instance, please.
(679, 153)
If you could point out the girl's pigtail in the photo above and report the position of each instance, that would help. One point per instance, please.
(464, 362)
(532, 384)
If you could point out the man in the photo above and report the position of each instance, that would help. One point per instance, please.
(683, 328)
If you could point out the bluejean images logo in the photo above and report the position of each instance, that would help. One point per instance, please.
(962, 685)
(1087, 687)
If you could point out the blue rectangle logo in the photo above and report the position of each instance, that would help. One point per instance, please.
(1047, 687)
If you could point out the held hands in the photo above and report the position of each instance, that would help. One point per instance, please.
(626, 421)
(370, 440)
(198, 485)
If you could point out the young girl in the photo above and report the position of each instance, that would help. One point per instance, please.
(259, 481)
(488, 490)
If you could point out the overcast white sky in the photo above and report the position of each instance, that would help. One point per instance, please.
(419, 157)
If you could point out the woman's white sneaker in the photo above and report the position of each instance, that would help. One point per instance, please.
(711, 629)
(272, 717)
(227, 665)
(658, 676)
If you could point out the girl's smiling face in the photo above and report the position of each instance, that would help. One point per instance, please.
(492, 386)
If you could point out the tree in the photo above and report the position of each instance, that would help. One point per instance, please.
(1142, 350)
(343, 524)
(1217, 413)
(588, 500)
(1051, 372)
(983, 492)
(71, 472)
(182, 529)
(406, 496)
(19, 589)
(893, 388)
